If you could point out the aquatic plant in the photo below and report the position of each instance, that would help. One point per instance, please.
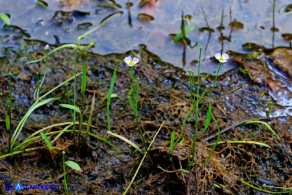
(222, 58)
(184, 30)
(133, 94)
(131, 61)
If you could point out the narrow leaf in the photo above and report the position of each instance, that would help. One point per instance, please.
(179, 36)
(72, 107)
(46, 139)
(83, 82)
(171, 145)
(126, 140)
(8, 122)
(5, 18)
(42, 3)
(73, 165)
(208, 117)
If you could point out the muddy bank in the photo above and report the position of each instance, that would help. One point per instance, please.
(241, 94)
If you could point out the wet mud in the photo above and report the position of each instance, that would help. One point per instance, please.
(241, 94)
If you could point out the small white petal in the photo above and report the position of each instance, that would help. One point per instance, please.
(47, 47)
(217, 56)
(135, 60)
(128, 59)
(225, 56)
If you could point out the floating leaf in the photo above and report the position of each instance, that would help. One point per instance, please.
(111, 4)
(210, 30)
(252, 47)
(84, 25)
(5, 18)
(288, 8)
(287, 36)
(43, 3)
(73, 165)
(145, 17)
(143, 2)
(236, 25)
(149, 2)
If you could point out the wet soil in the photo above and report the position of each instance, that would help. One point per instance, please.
(241, 94)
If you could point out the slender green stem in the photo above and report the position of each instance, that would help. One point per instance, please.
(65, 174)
(193, 146)
(83, 88)
(134, 99)
(75, 86)
(8, 114)
(38, 88)
(213, 86)
(192, 95)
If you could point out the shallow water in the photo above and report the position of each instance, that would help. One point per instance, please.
(125, 31)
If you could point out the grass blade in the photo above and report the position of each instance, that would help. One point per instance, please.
(109, 97)
(208, 119)
(126, 140)
(71, 107)
(46, 139)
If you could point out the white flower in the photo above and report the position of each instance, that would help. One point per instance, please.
(222, 58)
(47, 47)
(130, 61)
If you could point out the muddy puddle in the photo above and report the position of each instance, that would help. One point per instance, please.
(254, 85)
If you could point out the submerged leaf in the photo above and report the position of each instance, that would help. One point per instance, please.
(179, 36)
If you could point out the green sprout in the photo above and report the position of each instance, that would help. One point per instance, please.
(72, 165)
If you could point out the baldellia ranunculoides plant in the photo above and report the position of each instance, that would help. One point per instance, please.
(133, 94)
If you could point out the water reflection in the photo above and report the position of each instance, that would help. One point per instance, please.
(126, 30)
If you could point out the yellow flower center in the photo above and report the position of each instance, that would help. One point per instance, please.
(131, 63)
